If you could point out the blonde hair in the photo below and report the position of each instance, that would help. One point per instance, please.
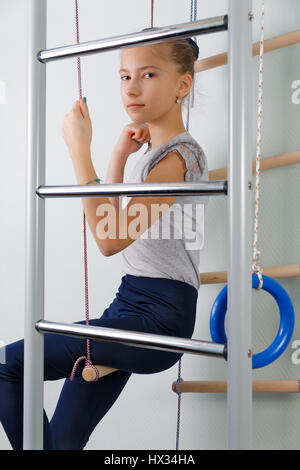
(181, 52)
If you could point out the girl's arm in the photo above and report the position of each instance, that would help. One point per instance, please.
(85, 171)
(115, 174)
(141, 211)
(110, 227)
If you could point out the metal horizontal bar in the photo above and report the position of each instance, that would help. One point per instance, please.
(151, 36)
(134, 338)
(210, 188)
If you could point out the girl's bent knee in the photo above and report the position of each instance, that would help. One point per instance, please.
(9, 375)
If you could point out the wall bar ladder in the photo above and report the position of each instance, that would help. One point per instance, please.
(239, 149)
(34, 230)
(239, 302)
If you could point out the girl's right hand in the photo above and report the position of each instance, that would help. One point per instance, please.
(126, 145)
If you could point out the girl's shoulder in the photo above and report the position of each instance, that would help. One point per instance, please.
(189, 150)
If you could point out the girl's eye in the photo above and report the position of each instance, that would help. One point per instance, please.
(126, 76)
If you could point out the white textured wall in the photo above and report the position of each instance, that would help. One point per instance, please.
(144, 417)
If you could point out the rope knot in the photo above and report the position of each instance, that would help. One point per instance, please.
(178, 381)
(257, 269)
(88, 363)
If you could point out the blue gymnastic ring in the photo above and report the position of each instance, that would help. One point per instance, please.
(286, 326)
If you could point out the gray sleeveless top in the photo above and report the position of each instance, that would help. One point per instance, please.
(170, 247)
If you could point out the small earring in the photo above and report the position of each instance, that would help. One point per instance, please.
(178, 100)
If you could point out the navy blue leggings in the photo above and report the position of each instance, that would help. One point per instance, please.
(153, 305)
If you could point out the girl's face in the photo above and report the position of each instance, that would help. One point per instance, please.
(150, 79)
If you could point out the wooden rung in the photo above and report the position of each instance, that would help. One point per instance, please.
(266, 163)
(292, 270)
(89, 373)
(258, 386)
(283, 40)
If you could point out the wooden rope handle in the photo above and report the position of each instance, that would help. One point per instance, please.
(89, 374)
(258, 386)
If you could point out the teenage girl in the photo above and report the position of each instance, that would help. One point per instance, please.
(159, 287)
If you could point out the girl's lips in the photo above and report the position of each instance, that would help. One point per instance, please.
(135, 105)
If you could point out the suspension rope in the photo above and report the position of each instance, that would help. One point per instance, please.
(193, 17)
(152, 14)
(256, 253)
(191, 101)
(87, 358)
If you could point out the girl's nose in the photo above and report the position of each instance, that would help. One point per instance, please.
(133, 87)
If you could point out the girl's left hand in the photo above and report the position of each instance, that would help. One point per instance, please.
(77, 130)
